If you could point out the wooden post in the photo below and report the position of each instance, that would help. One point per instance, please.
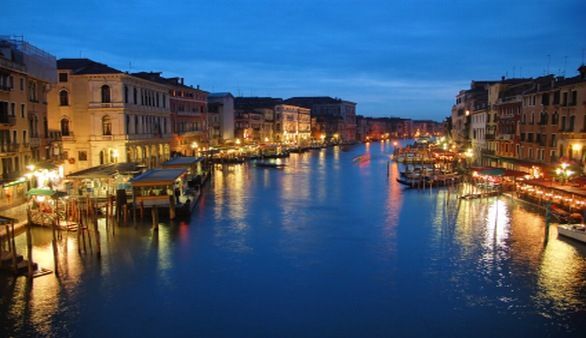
(547, 218)
(13, 244)
(172, 207)
(97, 234)
(154, 216)
(29, 247)
(55, 251)
(125, 209)
(79, 229)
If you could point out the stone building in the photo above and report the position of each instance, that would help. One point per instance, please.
(292, 124)
(106, 116)
(26, 73)
(335, 116)
(189, 113)
(220, 117)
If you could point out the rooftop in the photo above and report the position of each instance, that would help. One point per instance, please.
(85, 66)
(157, 177)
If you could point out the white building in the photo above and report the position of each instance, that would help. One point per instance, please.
(106, 116)
(221, 117)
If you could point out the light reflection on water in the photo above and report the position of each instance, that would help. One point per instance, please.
(325, 247)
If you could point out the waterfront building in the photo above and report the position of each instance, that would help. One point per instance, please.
(189, 113)
(336, 117)
(292, 124)
(26, 73)
(538, 127)
(570, 101)
(220, 117)
(255, 118)
(466, 101)
(104, 115)
(427, 127)
(361, 128)
(478, 122)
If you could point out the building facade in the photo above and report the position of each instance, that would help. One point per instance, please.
(106, 116)
(220, 117)
(26, 74)
(189, 113)
(336, 117)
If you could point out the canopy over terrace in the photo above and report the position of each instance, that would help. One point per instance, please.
(499, 172)
(156, 187)
(157, 177)
(104, 179)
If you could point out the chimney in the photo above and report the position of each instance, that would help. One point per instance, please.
(181, 80)
(197, 86)
(503, 78)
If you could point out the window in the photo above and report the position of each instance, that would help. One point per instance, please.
(105, 94)
(63, 77)
(64, 127)
(21, 84)
(63, 98)
(572, 120)
(574, 98)
(13, 109)
(106, 125)
(22, 110)
(24, 136)
(32, 91)
(82, 155)
(135, 94)
(125, 94)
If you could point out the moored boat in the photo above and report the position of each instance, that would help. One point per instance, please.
(574, 231)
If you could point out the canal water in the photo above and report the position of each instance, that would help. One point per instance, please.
(326, 247)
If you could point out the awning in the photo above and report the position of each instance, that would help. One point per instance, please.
(157, 177)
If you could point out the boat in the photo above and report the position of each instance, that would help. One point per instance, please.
(270, 165)
(574, 231)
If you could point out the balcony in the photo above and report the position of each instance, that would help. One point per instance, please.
(102, 105)
(9, 148)
(6, 120)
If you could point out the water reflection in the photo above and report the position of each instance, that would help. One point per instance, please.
(326, 245)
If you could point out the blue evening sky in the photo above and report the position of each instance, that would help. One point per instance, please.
(400, 58)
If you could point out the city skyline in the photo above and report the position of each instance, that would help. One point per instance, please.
(392, 59)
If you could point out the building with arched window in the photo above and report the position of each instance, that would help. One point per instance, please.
(63, 98)
(104, 124)
(26, 73)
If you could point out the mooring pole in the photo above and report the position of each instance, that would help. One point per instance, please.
(547, 219)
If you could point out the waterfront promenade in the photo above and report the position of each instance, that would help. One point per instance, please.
(323, 247)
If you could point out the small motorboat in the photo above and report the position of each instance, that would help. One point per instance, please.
(574, 231)
(270, 165)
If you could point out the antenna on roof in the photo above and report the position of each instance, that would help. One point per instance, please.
(583, 56)
(548, 62)
(565, 63)
(129, 65)
(80, 54)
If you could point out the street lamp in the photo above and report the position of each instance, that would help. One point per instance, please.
(238, 141)
(564, 172)
(193, 147)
